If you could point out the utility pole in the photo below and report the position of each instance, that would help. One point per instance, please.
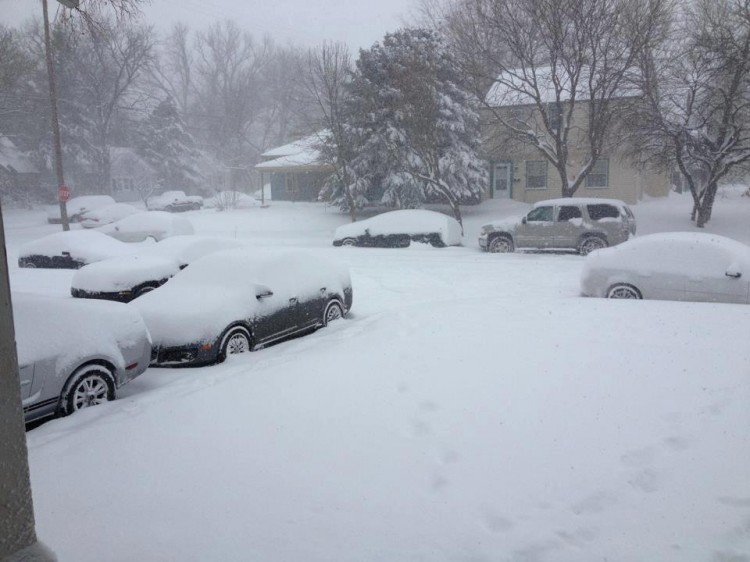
(18, 542)
(62, 188)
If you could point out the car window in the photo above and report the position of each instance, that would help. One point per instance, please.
(540, 214)
(602, 211)
(568, 212)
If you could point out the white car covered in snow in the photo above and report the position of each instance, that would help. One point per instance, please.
(683, 266)
(128, 277)
(77, 206)
(71, 250)
(106, 215)
(233, 301)
(63, 370)
(398, 229)
(150, 224)
(175, 202)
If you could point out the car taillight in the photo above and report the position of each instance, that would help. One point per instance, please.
(131, 366)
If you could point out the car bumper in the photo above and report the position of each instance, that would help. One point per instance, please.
(483, 243)
(193, 355)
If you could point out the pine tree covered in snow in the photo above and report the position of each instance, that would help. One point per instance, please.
(421, 127)
(168, 147)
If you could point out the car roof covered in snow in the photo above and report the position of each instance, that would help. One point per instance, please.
(580, 201)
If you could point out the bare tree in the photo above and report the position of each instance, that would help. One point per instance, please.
(696, 113)
(326, 75)
(560, 71)
(172, 71)
(229, 66)
(106, 65)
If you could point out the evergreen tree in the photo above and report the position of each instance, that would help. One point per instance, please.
(421, 125)
(168, 147)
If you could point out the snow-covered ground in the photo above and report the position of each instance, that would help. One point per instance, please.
(471, 408)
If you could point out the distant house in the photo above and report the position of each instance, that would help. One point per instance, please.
(520, 171)
(131, 175)
(18, 175)
(295, 170)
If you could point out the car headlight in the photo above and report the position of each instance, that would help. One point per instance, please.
(486, 229)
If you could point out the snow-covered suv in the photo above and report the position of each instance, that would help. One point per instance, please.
(562, 224)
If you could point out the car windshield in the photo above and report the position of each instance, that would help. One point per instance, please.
(336, 280)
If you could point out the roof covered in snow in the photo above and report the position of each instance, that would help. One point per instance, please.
(11, 157)
(523, 86)
(300, 155)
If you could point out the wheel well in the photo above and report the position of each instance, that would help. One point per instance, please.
(599, 235)
(109, 367)
(219, 353)
(622, 284)
(494, 235)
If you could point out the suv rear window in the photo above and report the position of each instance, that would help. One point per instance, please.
(598, 212)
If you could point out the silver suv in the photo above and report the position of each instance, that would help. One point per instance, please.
(578, 224)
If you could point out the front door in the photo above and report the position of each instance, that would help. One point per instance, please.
(501, 181)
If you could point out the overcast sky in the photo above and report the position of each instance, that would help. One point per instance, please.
(359, 23)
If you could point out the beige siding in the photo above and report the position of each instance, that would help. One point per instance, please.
(625, 181)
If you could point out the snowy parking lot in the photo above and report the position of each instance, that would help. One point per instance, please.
(471, 407)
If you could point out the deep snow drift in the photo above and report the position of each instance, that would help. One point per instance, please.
(473, 407)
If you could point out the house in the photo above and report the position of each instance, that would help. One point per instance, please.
(132, 177)
(19, 178)
(295, 171)
(520, 171)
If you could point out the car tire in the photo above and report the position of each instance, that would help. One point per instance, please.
(90, 385)
(334, 311)
(501, 244)
(623, 291)
(349, 242)
(236, 340)
(590, 243)
(143, 289)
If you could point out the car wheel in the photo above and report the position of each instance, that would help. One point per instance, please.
(501, 245)
(143, 290)
(591, 243)
(236, 340)
(348, 242)
(623, 291)
(334, 311)
(89, 386)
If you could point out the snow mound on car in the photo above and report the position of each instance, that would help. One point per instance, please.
(82, 245)
(406, 221)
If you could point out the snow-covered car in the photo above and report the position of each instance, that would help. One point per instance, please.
(149, 224)
(683, 266)
(175, 202)
(71, 250)
(397, 229)
(125, 278)
(234, 301)
(582, 224)
(77, 206)
(63, 370)
(106, 215)
(224, 200)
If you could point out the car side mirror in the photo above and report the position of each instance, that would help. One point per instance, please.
(523, 220)
(733, 273)
(263, 292)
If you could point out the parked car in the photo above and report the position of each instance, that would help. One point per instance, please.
(582, 224)
(683, 266)
(106, 215)
(77, 206)
(238, 300)
(125, 278)
(64, 370)
(150, 224)
(224, 200)
(71, 250)
(397, 229)
(174, 202)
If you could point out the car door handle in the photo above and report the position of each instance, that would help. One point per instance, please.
(293, 300)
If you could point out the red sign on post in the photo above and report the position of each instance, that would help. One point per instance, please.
(63, 194)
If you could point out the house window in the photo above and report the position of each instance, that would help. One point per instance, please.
(122, 184)
(599, 174)
(554, 115)
(536, 174)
